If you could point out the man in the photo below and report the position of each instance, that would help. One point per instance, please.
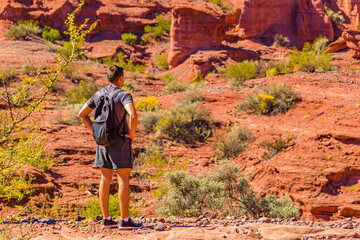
(118, 156)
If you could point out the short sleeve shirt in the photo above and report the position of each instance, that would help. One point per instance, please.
(120, 100)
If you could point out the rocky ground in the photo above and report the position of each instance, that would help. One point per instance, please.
(192, 228)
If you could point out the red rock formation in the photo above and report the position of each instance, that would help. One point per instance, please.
(195, 26)
(350, 9)
(305, 19)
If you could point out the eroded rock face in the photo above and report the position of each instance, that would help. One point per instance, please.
(195, 26)
(305, 19)
(114, 18)
(350, 9)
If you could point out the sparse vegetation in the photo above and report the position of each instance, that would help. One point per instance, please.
(235, 142)
(148, 120)
(23, 29)
(312, 57)
(157, 31)
(70, 72)
(223, 190)
(28, 69)
(81, 94)
(185, 123)
(92, 209)
(127, 65)
(239, 73)
(273, 100)
(280, 40)
(336, 18)
(50, 34)
(161, 61)
(147, 104)
(22, 101)
(274, 147)
(174, 86)
(129, 38)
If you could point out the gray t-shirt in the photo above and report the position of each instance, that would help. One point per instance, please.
(120, 100)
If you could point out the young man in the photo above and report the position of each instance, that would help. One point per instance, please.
(118, 156)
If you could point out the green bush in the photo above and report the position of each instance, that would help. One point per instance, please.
(185, 123)
(235, 142)
(273, 100)
(280, 40)
(239, 73)
(336, 18)
(67, 48)
(16, 155)
(174, 86)
(161, 61)
(147, 104)
(282, 207)
(127, 65)
(23, 29)
(131, 86)
(81, 94)
(148, 120)
(129, 38)
(50, 34)
(273, 148)
(157, 31)
(312, 57)
(224, 190)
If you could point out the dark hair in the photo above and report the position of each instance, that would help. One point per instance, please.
(114, 72)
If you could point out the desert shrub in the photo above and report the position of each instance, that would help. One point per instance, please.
(261, 68)
(174, 86)
(312, 57)
(50, 34)
(161, 61)
(92, 208)
(28, 69)
(237, 74)
(71, 116)
(131, 86)
(224, 190)
(70, 72)
(274, 147)
(273, 100)
(336, 18)
(15, 155)
(185, 123)
(81, 94)
(148, 120)
(235, 142)
(272, 72)
(280, 40)
(152, 154)
(67, 48)
(129, 38)
(23, 29)
(192, 96)
(147, 104)
(157, 31)
(282, 207)
(127, 65)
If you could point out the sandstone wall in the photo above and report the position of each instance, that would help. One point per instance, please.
(305, 19)
(194, 27)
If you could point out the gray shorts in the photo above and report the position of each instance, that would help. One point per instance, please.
(118, 155)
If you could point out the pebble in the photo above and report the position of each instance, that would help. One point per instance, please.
(160, 227)
(264, 219)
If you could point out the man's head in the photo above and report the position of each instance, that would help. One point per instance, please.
(114, 72)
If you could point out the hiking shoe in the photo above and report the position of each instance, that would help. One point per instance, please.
(129, 225)
(108, 223)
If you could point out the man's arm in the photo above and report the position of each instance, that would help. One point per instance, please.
(133, 118)
(84, 116)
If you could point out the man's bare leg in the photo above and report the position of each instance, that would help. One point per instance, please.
(124, 193)
(104, 190)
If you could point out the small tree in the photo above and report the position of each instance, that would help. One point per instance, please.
(21, 103)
